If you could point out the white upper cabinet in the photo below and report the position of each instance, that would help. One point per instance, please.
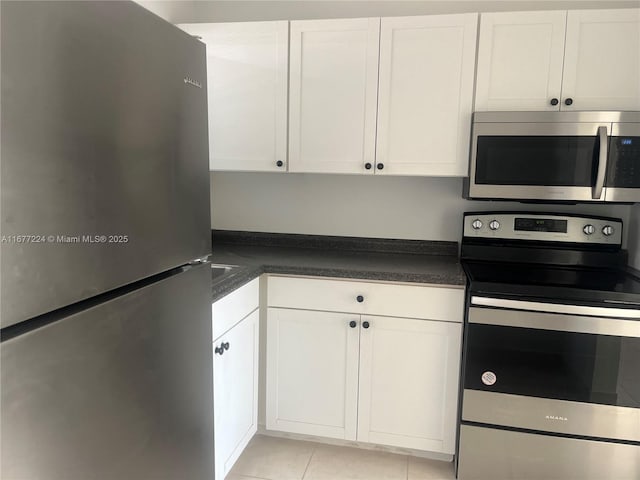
(558, 60)
(520, 57)
(247, 91)
(333, 92)
(602, 60)
(425, 96)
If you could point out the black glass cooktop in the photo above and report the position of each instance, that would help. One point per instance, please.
(554, 282)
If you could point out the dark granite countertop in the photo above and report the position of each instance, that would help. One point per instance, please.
(341, 257)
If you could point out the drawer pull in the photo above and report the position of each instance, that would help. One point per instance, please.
(360, 298)
(220, 350)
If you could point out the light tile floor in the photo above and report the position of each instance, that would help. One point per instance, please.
(269, 458)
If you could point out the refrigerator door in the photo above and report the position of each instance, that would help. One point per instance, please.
(121, 390)
(104, 175)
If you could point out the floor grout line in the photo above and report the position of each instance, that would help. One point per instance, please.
(315, 447)
(407, 465)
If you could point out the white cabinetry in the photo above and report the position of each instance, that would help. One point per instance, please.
(426, 94)
(312, 373)
(602, 60)
(389, 379)
(559, 60)
(247, 90)
(235, 366)
(408, 383)
(520, 57)
(333, 91)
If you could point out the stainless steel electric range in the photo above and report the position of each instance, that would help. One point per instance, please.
(551, 376)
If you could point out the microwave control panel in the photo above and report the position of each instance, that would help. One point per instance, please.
(543, 227)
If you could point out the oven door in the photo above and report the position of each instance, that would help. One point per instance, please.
(556, 368)
(623, 168)
(539, 161)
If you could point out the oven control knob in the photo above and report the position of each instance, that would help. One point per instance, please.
(607, 230)
(589, 229)
(477, 224)
(494, 225)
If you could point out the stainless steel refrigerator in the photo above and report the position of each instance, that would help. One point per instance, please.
(106, 362)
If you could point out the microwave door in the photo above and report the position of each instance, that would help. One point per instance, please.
(622, 182)
(537, 161)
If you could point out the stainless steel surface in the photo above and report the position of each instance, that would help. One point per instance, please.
(101, 136)
(551, 415)
(552, 123)
(590, 321)
(603, 157)
(575, 228)
(629, 195)
(556, 322)
(626, 129)
(512, 126)
(556, 117)
(123, 390)
(492, 454)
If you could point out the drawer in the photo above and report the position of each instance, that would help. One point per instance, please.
(232, 308)
(431, 302)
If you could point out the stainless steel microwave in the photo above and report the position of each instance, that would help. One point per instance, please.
(555, 156)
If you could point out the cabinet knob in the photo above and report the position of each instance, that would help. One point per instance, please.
(367, 166)
(360, 299)
(365, 324)
(225, 345)
(353, 324)
(554, 101)
(568, 101)
(220, 350)
(279, 163)
(380, 166)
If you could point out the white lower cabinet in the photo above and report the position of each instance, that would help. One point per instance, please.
(312, 373)
(408, 387)
(235, 369)
(356, 376)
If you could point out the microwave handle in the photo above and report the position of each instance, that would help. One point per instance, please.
(603, 158)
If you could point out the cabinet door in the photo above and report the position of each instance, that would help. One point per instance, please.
(520, 58)
(236, 392)
(602, 60)
(247, 90)
(312, 373)
(333, 92)
(409, 373)
(426, 94)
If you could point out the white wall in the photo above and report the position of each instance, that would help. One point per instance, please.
(633, 234)
(419, 208)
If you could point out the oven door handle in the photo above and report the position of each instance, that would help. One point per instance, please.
(564, 322)
(603, 160)
(562, 308)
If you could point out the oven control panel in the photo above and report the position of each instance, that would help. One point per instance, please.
(548, 227)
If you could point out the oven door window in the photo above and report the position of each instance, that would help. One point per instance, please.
(569, 161)
(559, 365)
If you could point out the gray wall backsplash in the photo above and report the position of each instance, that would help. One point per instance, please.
(414, 208)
